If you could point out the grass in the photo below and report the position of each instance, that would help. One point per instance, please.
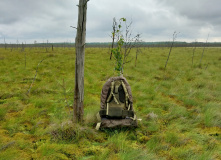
(179, 106)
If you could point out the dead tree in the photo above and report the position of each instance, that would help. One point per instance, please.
(29, 90)
(204, 50)
(23, 50)
(171, 47)
(138, 49)
(79, 62)
(194, 49)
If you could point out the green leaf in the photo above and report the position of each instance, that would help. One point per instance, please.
(124, 19)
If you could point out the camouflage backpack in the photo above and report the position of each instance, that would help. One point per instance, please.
(116, 108)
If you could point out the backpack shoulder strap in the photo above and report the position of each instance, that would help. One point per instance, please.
(112, 94)
(126, 94)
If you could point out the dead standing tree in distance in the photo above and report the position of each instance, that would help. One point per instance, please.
(194, 49)
(138, 48)
(203, 50)
(171, 47)
(79, 62)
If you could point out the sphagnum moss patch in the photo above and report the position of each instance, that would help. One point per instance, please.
(179, 106)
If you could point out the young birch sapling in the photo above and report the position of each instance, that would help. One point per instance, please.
(124, 43)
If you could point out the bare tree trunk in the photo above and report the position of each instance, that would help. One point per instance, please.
(174, 38)
(138, 50)
(193, 52)
(204, 50)
(79, 63)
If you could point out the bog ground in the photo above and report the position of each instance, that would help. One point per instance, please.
(179, 106)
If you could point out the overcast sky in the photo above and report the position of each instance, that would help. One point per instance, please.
(156, 20)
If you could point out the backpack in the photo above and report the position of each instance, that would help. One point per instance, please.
(116, 108)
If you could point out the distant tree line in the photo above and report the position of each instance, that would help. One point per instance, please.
(108, 44)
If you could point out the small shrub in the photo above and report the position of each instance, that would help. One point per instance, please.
(66, 131)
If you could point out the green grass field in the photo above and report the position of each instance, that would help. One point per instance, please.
(180, 107)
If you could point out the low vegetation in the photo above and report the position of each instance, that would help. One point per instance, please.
(179, 106)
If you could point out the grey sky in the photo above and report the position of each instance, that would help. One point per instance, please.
(156, 20)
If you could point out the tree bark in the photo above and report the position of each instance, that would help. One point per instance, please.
(78, 107)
